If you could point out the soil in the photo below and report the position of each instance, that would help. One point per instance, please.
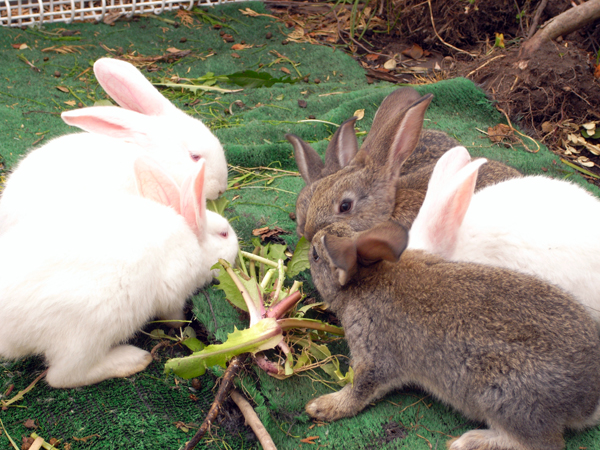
(549, 96)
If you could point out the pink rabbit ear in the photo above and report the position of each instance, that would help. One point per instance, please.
(193, 201)
(130, 88)
(109, 121)
(154, 184)
(436, 227)
(447, 167)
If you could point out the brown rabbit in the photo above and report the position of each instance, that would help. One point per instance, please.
(501, 347)
(388, 176)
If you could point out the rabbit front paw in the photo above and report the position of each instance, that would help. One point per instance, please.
(496, 439)
(328, 408)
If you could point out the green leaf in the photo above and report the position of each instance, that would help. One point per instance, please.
(217, 205)
(196, 87)
(232, 293)
(194, 344)
(299, 261)
(103, 103)
(252, 79)
(275, 252)
(264, 335)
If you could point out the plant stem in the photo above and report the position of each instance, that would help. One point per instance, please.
(255, 314)
(252, 419)
(287, 324)
(284, 305)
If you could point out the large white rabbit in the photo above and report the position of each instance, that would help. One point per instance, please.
(79, 277)
(532, 224)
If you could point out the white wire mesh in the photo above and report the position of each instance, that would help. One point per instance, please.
(17, 13)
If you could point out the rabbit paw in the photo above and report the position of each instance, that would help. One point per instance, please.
(330, 407)
(484, 440)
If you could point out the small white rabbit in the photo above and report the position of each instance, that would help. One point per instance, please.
(160, 127)
(80, 276)
(531, 224)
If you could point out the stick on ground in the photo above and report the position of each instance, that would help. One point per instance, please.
(252, 419)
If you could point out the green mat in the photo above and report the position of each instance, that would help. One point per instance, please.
(150, 410)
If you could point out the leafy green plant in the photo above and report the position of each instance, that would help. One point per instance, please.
(259, 287)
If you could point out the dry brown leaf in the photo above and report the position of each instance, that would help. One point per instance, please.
(173, 50)
(240, 46)
(372, 57)
(499, 132)
(235, 55)
(415, 52)
(285, 70)
(19, 46)
(359, 113)
(266, 232)
(186, 17)
(30, 423)
(390, 64)
(63, 89)
(71, 102)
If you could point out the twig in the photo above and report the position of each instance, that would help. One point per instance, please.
(440, 38)
(484, 64)
(536, 18)
(252, 419)
(156, 347)
(226, 385)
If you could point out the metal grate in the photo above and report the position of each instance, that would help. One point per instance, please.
(17, 13)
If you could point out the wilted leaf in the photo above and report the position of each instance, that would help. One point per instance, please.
(499, 132)
(415, 52)
(359, 113)
(499, 40)
(240, 46)
(266, 232)
(585, 161)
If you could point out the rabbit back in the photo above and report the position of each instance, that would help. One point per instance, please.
(532, 225)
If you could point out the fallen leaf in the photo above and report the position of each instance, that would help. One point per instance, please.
(30, 423)
(372, 57)
(499, 40)
(309, 440)
(19, 46)
(359, 113)
(240, 46)
(235, 55)
(597, 71)
(266, 232)
(285, 70)
(85, 439)
(585, 161)
(63, 89)
(173, 50)
(499, 132)
(390, 64)
(71, 102)
(415, 52)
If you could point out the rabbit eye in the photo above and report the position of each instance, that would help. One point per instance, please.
(195, 157)
(345, 206)
(315, 255)
(224, 234)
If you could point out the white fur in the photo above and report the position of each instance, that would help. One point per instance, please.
(537, 225)
(169, 129)
(85, 270)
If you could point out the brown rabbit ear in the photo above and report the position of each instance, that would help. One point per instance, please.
(308, 160)
(342, 254)
(385, 241)
(397, 140)
(343, 146)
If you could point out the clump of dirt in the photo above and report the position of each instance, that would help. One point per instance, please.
(556, 84)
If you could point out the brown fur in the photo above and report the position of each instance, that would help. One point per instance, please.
(391, 169)
(501, 347)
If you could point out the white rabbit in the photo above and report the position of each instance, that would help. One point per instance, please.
(160, 126)
(79, 277)
(531, 224)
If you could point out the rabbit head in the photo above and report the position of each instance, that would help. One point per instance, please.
(147, 118)
(215, 235)
(364, 191)
(340, 150)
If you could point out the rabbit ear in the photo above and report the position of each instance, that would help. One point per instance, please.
(446, 168)
(154, 183)
(385, 241)
(436, 227)
(343, 256)
(308, 160)
(193, 201)
(396, 139)
(110, 121)
(130, 88)
(342, 147)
